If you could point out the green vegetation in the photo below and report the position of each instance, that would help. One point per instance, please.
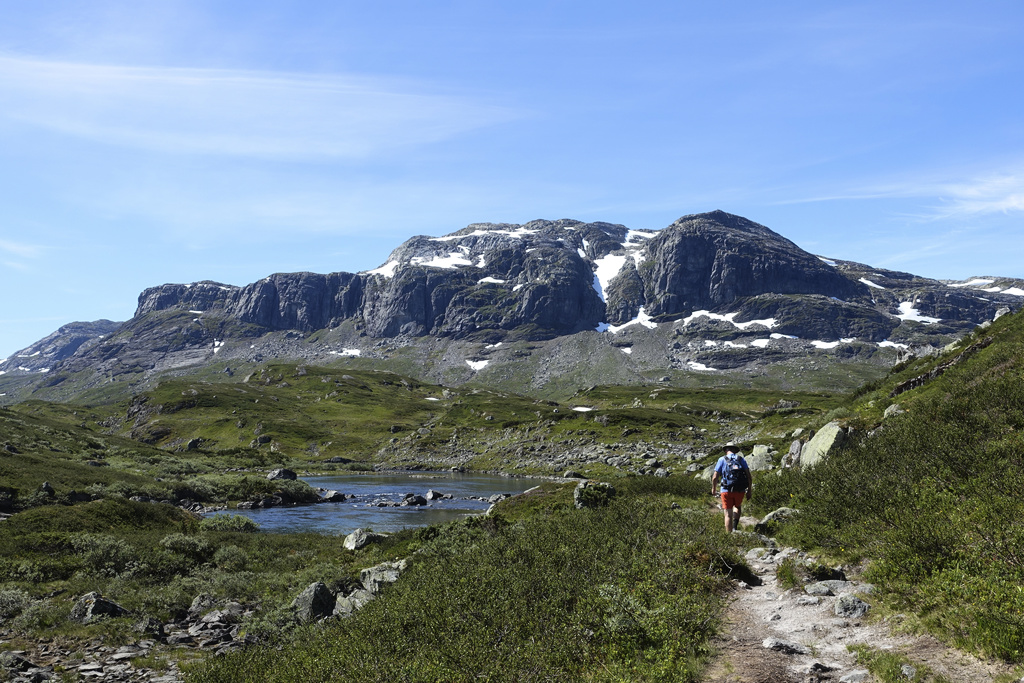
(624, 592)
(933, 497)
(155, 559)
(928, 499)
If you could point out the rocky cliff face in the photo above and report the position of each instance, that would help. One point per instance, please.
(732, 287)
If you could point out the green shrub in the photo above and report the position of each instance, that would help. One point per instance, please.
(625, 592)
(231, 558)
(230, 523)
(192, 547)
(106, 555)
(12, 602)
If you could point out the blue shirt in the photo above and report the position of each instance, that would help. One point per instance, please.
(720, 467)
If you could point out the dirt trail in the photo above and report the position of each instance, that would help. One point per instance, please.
(814, 639)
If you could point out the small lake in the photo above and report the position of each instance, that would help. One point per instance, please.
(371, 489)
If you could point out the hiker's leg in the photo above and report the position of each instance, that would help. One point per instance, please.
(726, 511)
(736, 517)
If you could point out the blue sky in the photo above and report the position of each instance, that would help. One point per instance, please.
(144, 143)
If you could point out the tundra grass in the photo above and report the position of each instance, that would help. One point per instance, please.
(627, 592)
(932, 496)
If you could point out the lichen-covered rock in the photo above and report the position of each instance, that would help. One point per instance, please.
(313, 603)
(282, 473)
(93, 606)
(828, 437)
(375, 578)
(360, 538)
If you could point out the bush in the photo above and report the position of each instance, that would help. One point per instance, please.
(231, 523)
(12, 602)
(109, 556)
(624, 592)
(193, 547)
(230, 558)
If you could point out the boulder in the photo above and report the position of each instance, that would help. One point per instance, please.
(760, 449)
(856, 676)
(775, 517)
(828, 437)
(333, 497)
(792, 458)
(375, 578)
(360, 538)
(281, 473)
(893, 410)
(828, 587)
(313, 603)
(760, 462)
(850, 606)
(92, 607)
(434, 495)
(414, 500)
(345, 606)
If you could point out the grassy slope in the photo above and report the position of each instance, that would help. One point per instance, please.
(630, 592)
(933, 497)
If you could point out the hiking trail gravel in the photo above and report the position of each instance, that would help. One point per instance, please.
(778, 635)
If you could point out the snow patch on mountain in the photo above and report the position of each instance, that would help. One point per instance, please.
(642, 318)
(908, 312)
(972, 283)
(729, 318)
(477, 365)
(387, 270)
(869, 283)
(607, 268)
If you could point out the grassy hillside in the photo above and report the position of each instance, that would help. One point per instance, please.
(628, 592)
(932, 496)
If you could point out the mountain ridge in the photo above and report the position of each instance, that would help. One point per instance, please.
(728, 293)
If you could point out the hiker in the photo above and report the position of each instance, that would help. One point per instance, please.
(734, 474)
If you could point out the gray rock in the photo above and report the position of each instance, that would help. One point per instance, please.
(375, 578)
(828, 587)
(892, 410)
(850, 606)
(93, 606)
(857, 676)
(360, 538)
(908, 671)
(661, 472)
(412, 499)
(807, 600)
(760, 462)
(785, 647)
(345, 606)
(282, 474)
(775, 516)
(760, 450)
(792, 457)
(828, 437)
(313, 603)
(572, 474)
(334, 497)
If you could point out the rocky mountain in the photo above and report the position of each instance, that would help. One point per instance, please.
(712, 292)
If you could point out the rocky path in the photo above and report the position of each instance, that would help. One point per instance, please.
(801, 635)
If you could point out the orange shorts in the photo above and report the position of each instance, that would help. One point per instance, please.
(732, 499)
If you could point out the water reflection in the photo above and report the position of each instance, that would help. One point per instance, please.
(369, 490)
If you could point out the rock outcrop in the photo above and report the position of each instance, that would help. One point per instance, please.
(715, 277)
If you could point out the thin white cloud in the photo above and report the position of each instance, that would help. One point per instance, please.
(20, 249)
(235, 112)
(980, 195)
